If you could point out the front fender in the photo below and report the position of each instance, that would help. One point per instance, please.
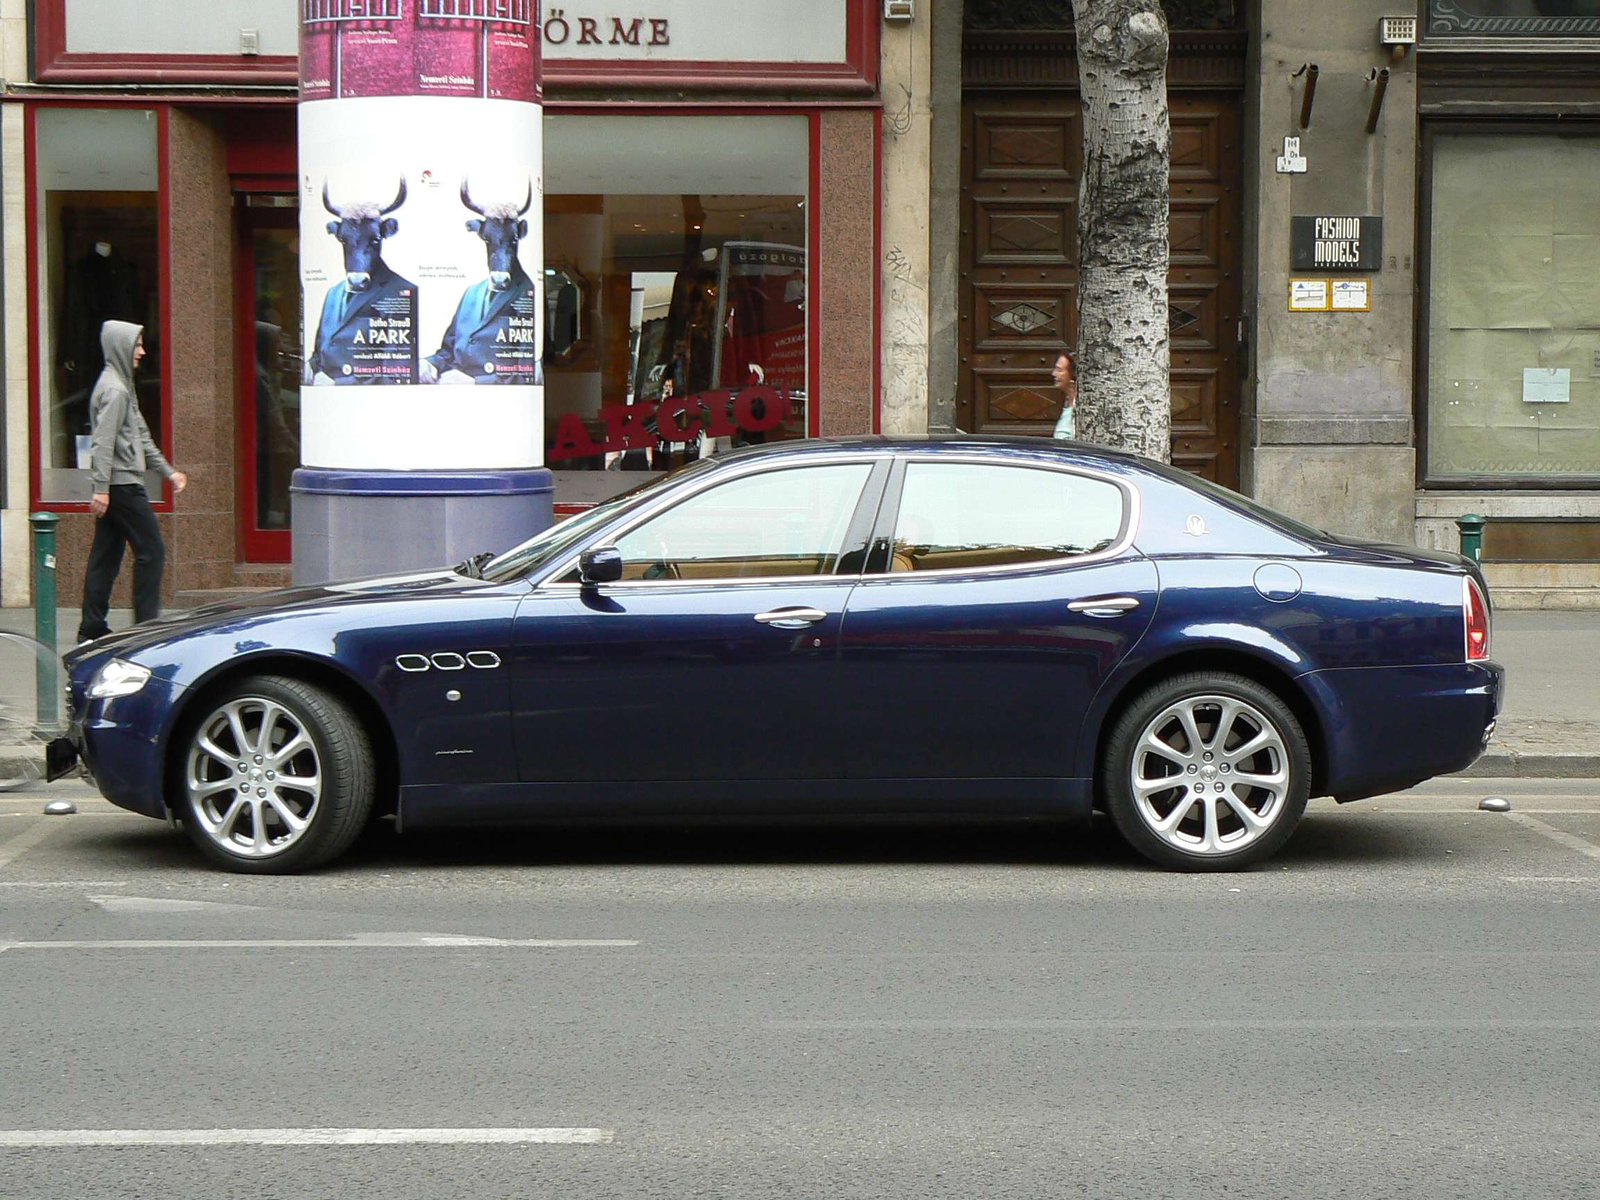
(450, 724)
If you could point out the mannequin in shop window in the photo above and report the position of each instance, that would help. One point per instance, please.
(277, 442)
(100, 286)
(685, 358)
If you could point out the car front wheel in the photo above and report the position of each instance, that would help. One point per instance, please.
(1207, 772)
(277, 777)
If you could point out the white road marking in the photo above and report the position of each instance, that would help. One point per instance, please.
(1550, 879)
(1560, 836)
(1466, 810)
(359, 941)
(63, 883)
(29, 838)
(1068, 1025)
(37, 1138)
(155, 904)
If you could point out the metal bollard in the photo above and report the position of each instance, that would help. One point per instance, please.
(44, 615)
(1471, 526)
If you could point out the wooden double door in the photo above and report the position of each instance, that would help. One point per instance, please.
(1020, 162)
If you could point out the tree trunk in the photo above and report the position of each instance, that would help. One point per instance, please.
(1124, 340)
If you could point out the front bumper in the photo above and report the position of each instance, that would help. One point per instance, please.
(121, 741)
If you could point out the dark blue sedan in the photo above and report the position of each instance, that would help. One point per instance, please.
(963, 627)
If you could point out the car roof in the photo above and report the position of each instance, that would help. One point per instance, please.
(944, 443)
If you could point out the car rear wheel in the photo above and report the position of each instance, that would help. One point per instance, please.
(277, 777)
(1207, 772)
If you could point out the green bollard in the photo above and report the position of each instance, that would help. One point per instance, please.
(44, 614)
(1471, 527)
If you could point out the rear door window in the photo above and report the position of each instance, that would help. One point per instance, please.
(972, 516)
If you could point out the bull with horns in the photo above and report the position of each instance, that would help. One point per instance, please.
(494, 335)
(368, 329)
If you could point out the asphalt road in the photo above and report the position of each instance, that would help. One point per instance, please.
(1405, 1003)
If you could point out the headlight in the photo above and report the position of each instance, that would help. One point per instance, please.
(118, 678)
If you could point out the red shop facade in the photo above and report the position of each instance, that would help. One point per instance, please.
(712, 203)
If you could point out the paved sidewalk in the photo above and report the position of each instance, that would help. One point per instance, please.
(1550, 726)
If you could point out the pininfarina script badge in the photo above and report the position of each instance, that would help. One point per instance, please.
(1195, 526)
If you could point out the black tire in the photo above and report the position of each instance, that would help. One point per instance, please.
(1215, 803)
(206, 786)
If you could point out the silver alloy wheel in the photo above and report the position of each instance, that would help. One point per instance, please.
(1210, 775)
(253, 777)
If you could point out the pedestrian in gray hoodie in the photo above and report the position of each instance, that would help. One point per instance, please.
(122, 451)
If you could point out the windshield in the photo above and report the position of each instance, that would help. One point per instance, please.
(560, 538)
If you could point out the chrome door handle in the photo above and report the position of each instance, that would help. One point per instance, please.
(791, 618)
(1105, 606)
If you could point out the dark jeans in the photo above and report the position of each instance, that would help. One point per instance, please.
(128, 520)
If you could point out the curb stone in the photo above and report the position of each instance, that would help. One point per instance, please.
(1513, 764)
(14, 765)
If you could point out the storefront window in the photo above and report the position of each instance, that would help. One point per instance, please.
(274, 258)
(1513, 18)
(1513, 311)
(98, 216)
(675, 273)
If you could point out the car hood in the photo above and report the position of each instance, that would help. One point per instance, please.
(279, 602)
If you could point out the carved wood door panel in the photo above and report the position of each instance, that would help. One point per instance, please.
(1021, 156)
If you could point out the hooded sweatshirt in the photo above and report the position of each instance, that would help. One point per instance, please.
(122, 448)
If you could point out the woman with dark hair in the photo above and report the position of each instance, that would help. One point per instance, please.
(1066, 379)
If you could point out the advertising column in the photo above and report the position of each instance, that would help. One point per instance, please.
(421, 262)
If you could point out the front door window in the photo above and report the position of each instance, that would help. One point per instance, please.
(777, 524)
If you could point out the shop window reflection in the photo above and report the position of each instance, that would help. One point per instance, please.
(698, 299)
(276, 257)
(676, 260)
(99, 261)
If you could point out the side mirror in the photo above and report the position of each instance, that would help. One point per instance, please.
(603, 565)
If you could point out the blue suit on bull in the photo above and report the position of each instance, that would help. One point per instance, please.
(345, 312)
(493, 337)
(367, 332)
(476, 342)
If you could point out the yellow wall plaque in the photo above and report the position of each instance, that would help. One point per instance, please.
(1351, 295)
(1308, 295)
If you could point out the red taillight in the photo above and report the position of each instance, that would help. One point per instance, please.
(1476, 610)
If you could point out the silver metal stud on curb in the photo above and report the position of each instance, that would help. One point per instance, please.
(60, 808)
(1494, 804)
